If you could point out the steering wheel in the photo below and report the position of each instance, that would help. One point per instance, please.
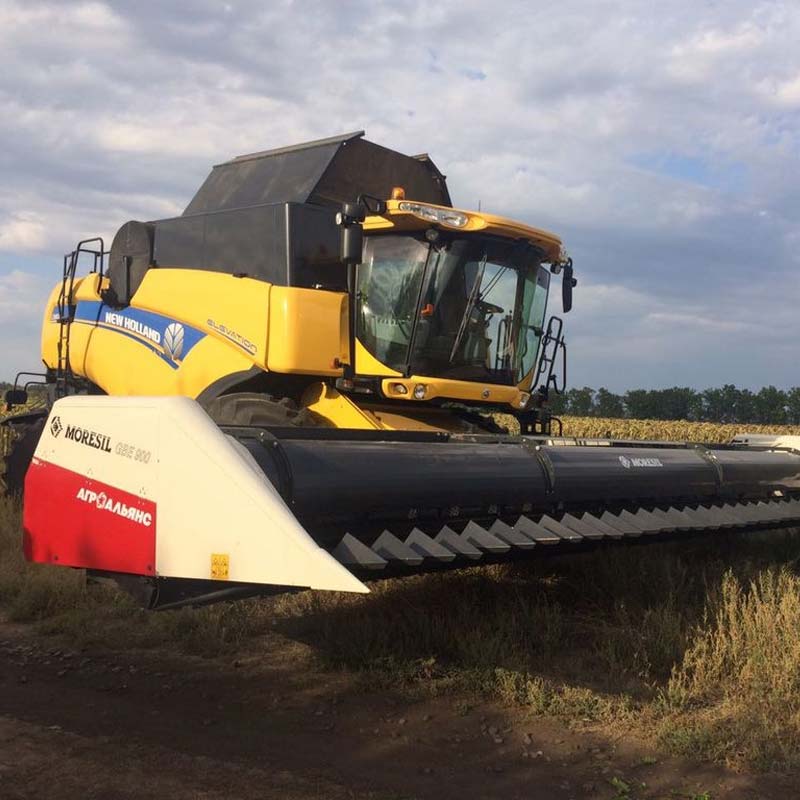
(491, 308)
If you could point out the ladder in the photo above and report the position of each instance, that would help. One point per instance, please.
(65, 307)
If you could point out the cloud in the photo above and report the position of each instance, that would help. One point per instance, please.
(22, 295)
(676, 339)
(657, 142)
(22, 299)
(25, 231)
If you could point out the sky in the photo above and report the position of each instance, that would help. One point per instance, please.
(660, 140)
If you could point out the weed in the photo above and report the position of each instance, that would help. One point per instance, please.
(623, 789)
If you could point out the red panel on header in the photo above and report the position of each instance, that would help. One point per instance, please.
(75, 521)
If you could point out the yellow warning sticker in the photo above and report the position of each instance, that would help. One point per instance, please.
(220, 565)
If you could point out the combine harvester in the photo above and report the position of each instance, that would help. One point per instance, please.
(292, 385)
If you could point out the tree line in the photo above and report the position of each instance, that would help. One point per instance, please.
(769, 405)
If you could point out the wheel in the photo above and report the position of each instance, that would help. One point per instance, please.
(20, 455)
(257, 410)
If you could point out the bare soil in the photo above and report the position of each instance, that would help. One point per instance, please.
(146, 724)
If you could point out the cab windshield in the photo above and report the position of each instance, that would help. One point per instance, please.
(468, 308)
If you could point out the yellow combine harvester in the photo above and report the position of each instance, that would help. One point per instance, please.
(293, 384)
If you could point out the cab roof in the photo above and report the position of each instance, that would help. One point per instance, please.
(399, 216)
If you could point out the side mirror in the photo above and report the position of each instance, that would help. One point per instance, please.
(15, 397)
(568, 283)
(372, 204)
(351, 244)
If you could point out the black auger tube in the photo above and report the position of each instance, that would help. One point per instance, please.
(336, 483)
(747, 471)
(333, 478)
(620, 475)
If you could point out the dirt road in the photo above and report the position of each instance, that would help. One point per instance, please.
(94, 724)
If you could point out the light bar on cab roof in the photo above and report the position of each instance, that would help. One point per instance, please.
(444, 216)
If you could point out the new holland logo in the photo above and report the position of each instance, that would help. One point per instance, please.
(640, 462)
(127, 323)
(103, 502)
(173, 340)
(55, 426)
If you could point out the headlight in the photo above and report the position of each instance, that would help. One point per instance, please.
(444, 216)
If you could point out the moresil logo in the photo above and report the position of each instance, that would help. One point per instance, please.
(98, 441)
(640, 462)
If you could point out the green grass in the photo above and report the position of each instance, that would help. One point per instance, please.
(696, 646)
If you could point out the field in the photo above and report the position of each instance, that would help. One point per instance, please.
(673, 431)
(678, 430)
(672, 655)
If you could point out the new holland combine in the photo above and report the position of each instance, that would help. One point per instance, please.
(295, 383)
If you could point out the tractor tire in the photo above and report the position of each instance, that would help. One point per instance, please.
(20, 456)
(251, 409)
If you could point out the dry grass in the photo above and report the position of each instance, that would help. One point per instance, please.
(28, 590)
(700, 642)
(697, 645)
(58, 600)
(736, 692)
